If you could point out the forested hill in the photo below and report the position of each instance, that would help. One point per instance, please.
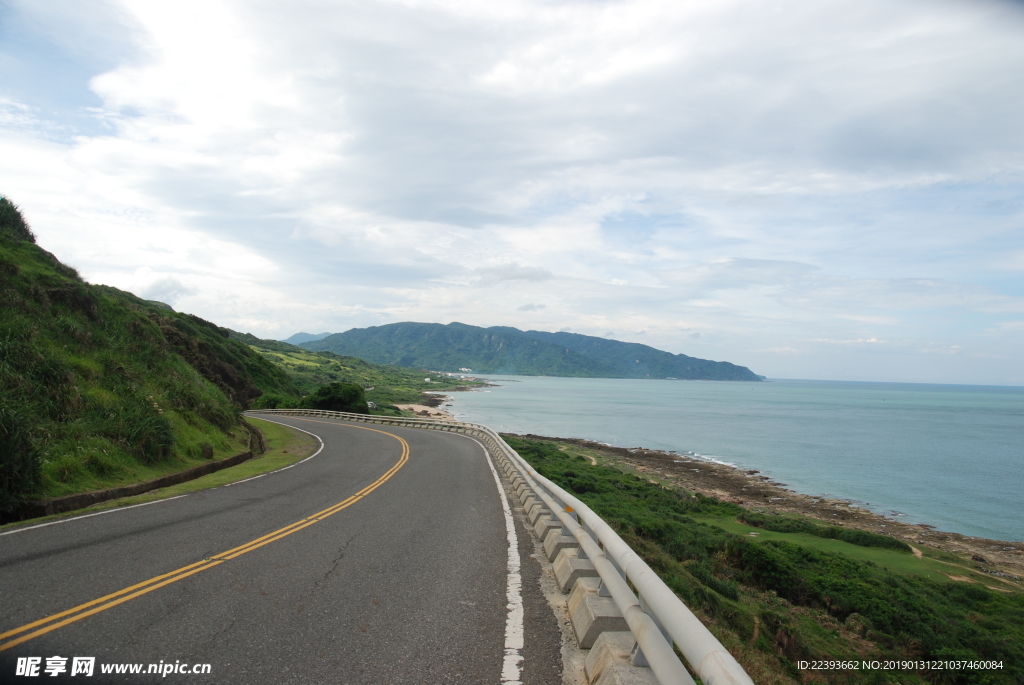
(455, 346)
(502, 349)
(633, 360)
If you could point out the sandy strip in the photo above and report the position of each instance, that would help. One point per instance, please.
(423, 411)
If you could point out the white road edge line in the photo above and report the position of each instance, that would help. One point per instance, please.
(511, 669)
(168, 499)
(228, 485)
(85, 516)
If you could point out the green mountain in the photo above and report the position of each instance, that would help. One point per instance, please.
(455, 346)
(633, 360)
(99, 387)
(300, 338)
(501, 349)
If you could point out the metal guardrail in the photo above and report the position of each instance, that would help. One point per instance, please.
(655, 615)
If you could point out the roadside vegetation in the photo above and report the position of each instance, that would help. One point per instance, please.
(285, 446)
(807, 593)
(102, 388)
(346, 397)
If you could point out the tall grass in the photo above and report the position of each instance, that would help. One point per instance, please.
(13, 222)
(91, 389)
(19, 460)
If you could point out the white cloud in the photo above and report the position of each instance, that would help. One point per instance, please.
(767, 174)
(784, 350)
(861, 342)
(512, 272)
(166, 289)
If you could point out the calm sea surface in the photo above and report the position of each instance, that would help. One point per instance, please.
(948, 455)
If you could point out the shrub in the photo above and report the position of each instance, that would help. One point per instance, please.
(19, 460)
(347, 397)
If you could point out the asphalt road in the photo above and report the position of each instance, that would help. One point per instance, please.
(288, 578)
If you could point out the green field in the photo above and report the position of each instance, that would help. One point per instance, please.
(927, 566)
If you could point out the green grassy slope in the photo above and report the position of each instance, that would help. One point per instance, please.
(100, 387)
(780, 598)
(242, 375)
(309, 370)
(501, 349)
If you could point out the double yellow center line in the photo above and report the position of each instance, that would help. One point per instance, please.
(44, 625)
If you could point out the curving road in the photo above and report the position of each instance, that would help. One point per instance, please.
(383, 559)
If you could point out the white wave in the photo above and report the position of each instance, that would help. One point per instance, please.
(713, 459)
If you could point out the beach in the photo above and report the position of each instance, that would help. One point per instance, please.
(423, 411)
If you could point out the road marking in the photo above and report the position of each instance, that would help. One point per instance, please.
(511, 668)
(50, 623)
(260, 418)
(85, 516)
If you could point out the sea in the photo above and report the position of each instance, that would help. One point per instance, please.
(951, 456)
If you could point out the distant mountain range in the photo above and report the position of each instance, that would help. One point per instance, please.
(300, 338)
(501, 349)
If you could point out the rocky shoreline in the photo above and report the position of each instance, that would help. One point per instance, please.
(750, 489)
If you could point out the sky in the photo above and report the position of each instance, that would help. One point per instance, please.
(820, 189)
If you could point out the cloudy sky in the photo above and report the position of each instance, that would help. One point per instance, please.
(828, 189)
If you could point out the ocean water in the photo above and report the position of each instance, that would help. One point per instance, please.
(947, 455)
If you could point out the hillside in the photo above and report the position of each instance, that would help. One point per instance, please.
(455, 346)
(501, 349)
(387, 384)
(100, 387)
(633, 360)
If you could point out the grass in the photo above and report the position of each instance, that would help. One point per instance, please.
(285, 446)
(102, 388)
(782, 597)
(900, 562)
(130, 471)
(935, 565)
